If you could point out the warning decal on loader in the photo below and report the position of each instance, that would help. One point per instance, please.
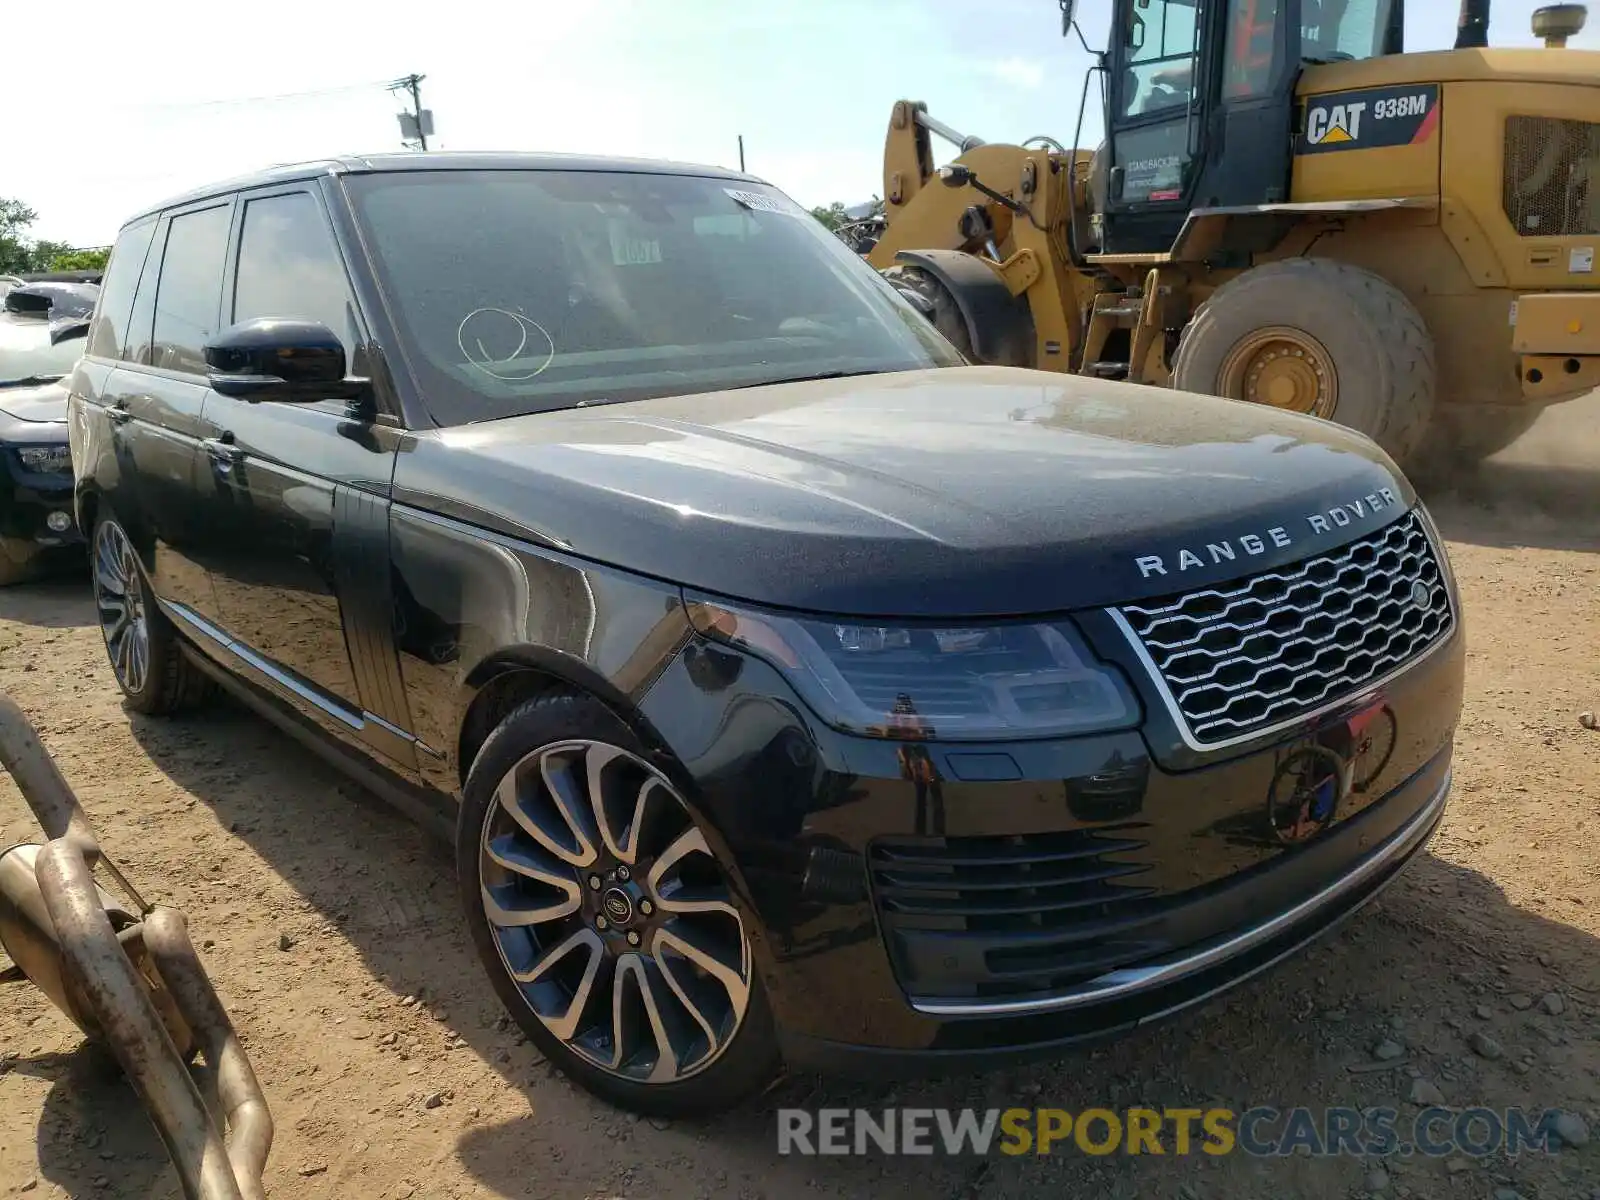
(1368, 119)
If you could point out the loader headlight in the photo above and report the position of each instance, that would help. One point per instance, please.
(933, 680)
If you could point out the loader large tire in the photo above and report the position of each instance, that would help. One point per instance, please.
(936, 303)
(1316, 336)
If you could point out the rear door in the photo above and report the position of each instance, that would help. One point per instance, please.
(101, 435)
(158, 392)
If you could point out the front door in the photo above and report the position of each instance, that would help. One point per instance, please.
(301, 491)
(1154, 102)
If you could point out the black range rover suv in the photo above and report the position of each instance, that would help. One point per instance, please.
(792, 689)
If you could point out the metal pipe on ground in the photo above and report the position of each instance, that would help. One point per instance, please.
(136, 984)
(166, 936)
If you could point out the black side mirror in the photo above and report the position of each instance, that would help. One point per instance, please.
(284, 361)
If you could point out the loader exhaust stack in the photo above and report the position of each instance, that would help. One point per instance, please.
(1472, 27)
(128, 976)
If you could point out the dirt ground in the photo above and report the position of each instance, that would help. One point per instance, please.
(330, 927)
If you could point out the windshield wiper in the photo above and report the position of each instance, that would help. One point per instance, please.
(806, 378)
(31, 381)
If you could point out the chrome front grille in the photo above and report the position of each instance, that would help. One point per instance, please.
(1250, 655)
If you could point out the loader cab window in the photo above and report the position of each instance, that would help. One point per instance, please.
(1345, 30)
(1252, 48)
(1159, 56)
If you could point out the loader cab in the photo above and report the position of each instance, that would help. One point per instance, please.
(1200, 109)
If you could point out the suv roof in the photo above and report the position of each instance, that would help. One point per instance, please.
(437, 160)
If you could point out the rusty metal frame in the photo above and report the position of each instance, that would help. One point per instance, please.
(141, 989)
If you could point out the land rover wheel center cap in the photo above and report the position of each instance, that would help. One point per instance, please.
(618, 905)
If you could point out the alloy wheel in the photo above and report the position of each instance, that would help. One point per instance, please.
(611, 913)
(120, 601)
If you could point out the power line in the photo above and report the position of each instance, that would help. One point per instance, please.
(228, 100)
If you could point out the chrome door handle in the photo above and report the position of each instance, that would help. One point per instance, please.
(118, 414)
(222, 450)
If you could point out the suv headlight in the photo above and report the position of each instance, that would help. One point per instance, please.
(931, 680)
(51, 459)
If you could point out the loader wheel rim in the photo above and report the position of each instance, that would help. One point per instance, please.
(1282, 368)
(120, 601)
(611, 913)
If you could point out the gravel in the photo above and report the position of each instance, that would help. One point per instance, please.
(1426, 1093)
(1572, 1129)
(1484, 1046)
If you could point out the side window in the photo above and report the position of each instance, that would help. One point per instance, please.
(108, 332)
(1342, 30)
(1161, 56)
(191, 286)
(289, 266)
(1247, 70)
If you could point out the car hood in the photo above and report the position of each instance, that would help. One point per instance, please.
(34, 404)
(970, 491)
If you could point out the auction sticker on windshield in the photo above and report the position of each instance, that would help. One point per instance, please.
(760, 203)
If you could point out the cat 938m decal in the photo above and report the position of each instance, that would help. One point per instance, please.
(1368, 119)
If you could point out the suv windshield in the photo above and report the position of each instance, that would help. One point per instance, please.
(524, 291)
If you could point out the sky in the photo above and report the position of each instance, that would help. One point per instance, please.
(180, 95)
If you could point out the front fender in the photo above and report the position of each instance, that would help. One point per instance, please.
(999, 325)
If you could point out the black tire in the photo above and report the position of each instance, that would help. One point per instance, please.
(935, 302)
(18, 561)
(1463, 436)
(1382, 354)
(750, 1059)
(169, 683)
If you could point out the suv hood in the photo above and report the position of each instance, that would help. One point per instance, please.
(969, 491)
(46, 402)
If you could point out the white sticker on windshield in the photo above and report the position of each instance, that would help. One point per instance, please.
(628, 249)
(758, 202)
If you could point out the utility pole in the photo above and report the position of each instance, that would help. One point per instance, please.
(417, 124)
(741, 153)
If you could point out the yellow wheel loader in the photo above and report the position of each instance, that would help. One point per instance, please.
(1287, 209)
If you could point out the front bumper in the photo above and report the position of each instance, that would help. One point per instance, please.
(29, 498)
(829, 835)
(1126, 999)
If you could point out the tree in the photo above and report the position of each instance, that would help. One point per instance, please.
(832, 216)
(20, 254)
(16, 252)
(80, 260)
(46, 252)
